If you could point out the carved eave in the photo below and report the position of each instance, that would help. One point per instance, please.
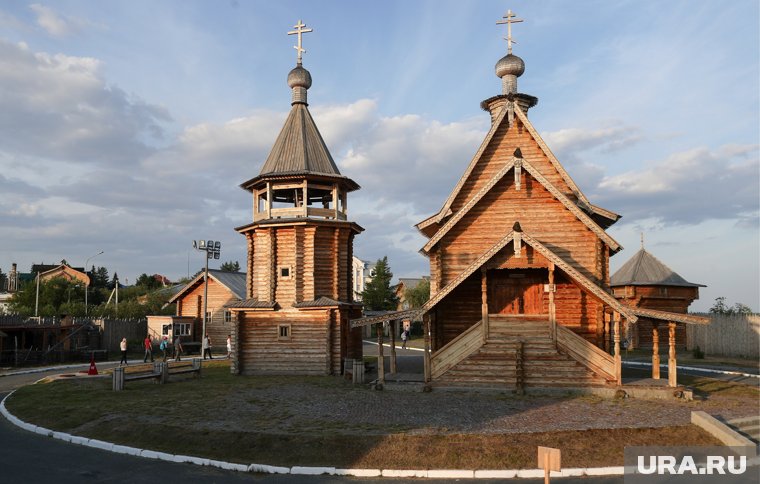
(561, 197)
(294, 222)
(670, 317)
(260, 181)
(583, 201)
(603, 217)
(446, 209)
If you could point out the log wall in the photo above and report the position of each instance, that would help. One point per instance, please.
(216, 327)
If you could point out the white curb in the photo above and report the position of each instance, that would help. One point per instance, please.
(694, 368)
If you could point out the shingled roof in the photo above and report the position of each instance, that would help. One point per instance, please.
(644, 269)
(299, 147)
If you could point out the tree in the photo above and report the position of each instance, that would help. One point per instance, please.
(230, 266)
(3, 281)
(57, 296)
(720, 307)
(418, 295)
(147, 282)
(98, 277)
(378, 295)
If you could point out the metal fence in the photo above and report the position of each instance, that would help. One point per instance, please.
(734, 336)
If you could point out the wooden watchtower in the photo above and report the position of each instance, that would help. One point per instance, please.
(300, 248)
(646, 282)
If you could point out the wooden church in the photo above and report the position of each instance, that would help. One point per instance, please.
(295, 317)
(519, 265)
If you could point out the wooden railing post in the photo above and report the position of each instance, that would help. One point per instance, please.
(655, 351)
(484, 305)
(380, 356)
(393, 329)
(426, 361)
(607, 317)
(618, 357)
(672, 377)
(552, 309)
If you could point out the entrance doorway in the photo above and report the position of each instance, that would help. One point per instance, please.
(516, 291)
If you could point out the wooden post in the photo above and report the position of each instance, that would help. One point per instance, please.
(618, 357)
(380, 356)
(118, 379)
(305, 190)
(335, 201)
(655, 351)
(484, 305)
(269, 199)
(426, 320)
(552, 308)
(394, 328)
(672, 377)
(607, 317)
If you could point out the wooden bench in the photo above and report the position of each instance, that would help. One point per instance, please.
(194, 368)
(159, 373)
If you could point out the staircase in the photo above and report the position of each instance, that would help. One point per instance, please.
(749, 426)
(493, 364)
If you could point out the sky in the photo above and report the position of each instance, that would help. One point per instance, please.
(127, 126)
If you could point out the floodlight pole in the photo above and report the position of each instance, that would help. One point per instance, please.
(87, 286)
(205, 299)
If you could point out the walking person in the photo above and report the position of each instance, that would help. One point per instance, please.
(123, 348)
(229, 346)
(164, 346)
(404, 337)
(177, 349)
(206, 345)
(148, 349)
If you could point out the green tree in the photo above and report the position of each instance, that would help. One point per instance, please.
(378, 295)
(230, 266)
(54, 294)
(418, 295)
(720, 307)
(147, 282)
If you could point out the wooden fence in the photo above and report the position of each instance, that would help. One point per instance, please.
(113, 330)
(735, 336)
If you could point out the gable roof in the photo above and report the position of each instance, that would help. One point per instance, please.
(574, 274)
(583, 201)
(561, 197)
(233, 281)
(644, 269)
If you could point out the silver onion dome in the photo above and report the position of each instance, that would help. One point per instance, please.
(510, 64)
(299, 77)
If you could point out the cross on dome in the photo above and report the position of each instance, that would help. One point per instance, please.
(509, 20)
(300, 30)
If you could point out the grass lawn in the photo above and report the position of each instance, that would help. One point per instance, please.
(275, 420)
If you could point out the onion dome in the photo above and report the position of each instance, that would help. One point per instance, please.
(510, 65)
(299, 80)
(299, 77)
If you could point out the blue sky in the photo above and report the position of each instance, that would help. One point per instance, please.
(127, 126)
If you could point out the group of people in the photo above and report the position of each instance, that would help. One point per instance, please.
(164, 347)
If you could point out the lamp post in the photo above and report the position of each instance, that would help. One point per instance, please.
(212, 250)
(87, 286)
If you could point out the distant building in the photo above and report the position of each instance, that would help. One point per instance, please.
(404, 284)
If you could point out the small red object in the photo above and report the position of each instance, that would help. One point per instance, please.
(93, 369)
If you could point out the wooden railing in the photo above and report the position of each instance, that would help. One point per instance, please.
(593, 358)
(457, 350)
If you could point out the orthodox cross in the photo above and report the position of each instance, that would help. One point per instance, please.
(509, 20)
(300, 30)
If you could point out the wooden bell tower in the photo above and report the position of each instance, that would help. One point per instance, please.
(300, 248)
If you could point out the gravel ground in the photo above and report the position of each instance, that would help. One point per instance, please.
(310, 406)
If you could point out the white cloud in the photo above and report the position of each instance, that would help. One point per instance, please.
(689, 187)
(59, 107)
(55, 24)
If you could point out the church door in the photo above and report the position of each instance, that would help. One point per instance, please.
(516, 292)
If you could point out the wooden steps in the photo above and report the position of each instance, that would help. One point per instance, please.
(493, 364)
